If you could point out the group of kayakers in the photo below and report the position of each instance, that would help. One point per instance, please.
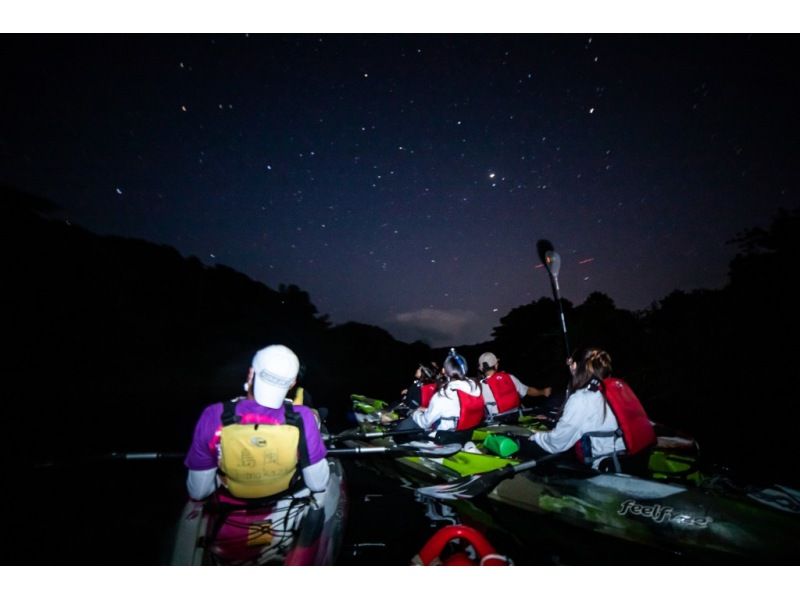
(451, 404)
(264, 444)
(448, 404)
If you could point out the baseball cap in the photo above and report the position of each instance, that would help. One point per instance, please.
(275, 370)
(487, 358)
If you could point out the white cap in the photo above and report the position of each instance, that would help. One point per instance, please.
(489, 359)
(275, 369)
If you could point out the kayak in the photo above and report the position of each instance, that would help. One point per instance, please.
(367, 410)
(295, 530)
(669, 506)
(710, 523)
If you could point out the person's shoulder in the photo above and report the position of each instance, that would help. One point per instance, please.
(310, 422)
(307, 413)
(213, 408)
(583, 394)
(586, 394)
(503, 374)
(242, 404)
(467, 386)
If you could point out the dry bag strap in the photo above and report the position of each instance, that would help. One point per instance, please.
(295, 419)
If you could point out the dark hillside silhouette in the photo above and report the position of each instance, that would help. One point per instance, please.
(727, 355)
(716, 363)
(131, 340)
(126, 337)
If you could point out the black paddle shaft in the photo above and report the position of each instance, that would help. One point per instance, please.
(552, 263)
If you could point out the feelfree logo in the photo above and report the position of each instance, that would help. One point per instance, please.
(662, 514)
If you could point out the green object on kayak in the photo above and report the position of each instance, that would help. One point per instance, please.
(367, 404)
(465, 463)
(479, 435)
(671, 466)
(502, 446)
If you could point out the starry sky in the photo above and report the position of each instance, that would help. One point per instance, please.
(403, 180)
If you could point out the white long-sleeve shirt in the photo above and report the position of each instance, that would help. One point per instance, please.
(444, 404)
(585, 411)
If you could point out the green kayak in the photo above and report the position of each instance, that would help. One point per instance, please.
(669, 507)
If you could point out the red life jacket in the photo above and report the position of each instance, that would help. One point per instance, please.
(426, 391)
(471, 410)
(634, 426)
(637, 431)
(506, 397)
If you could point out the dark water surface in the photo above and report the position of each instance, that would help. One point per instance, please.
(124, 513)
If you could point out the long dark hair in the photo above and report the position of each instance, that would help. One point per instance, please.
(455, 368)
(428, 374)
(590, 363)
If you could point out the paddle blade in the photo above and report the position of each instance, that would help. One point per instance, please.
(479, 484)
(542, 247)
(469, 487)
(553, 262)
(429, 449)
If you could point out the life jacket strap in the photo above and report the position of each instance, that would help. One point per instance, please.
(585, 443)
(229, 412)
(295, 419)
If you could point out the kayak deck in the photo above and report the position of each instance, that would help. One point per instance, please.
(295, 530)
(673, 509)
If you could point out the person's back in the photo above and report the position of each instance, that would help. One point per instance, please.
(499, 393)
(455, 408)
(416, 395)
(260, 445)
(454, 411)
(502, 392)
(586, 410)
(412, 396)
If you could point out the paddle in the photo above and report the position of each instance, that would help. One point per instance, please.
(115, 456)
(478, 484)
(422, 449)
(523, 411)
(552, 263)
(355, 435)
(142, 456)
(411, 448)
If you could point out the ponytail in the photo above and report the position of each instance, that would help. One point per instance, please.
(590, 364)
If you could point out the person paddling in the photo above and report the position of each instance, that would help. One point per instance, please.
(259, 445)
(455, 408)
(502, 392)
(586, 410)
(418, 393)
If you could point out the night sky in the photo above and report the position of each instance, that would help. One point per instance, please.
(403, 180)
